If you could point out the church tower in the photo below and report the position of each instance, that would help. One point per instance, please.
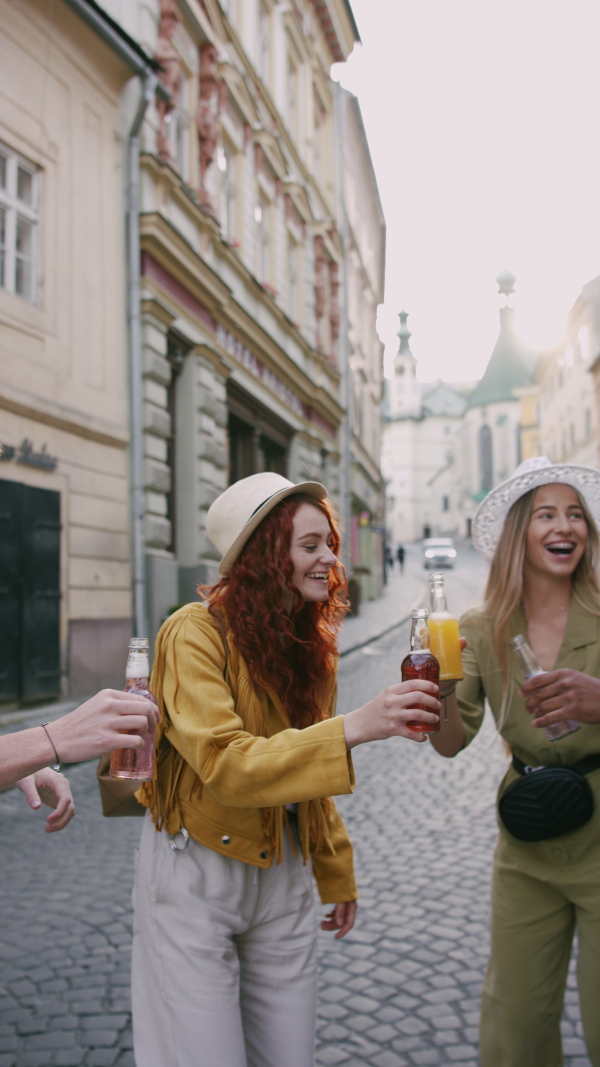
(404, 390)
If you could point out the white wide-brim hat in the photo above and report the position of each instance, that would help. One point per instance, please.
(236, 513)
(489, 519)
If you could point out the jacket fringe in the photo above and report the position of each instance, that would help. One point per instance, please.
(163, 799)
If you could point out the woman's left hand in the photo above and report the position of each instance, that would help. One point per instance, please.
(53, 789)
(564, 694)
(341, 918)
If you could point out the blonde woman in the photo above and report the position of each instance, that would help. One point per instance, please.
(540, 531)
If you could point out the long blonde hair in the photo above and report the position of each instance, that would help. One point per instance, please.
(504, 589)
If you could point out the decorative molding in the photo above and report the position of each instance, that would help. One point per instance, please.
(66, 423)
(166, 55)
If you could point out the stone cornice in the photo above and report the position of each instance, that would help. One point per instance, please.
(74, 422)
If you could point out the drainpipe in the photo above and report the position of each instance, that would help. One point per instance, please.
(136, 412)
(346, 391)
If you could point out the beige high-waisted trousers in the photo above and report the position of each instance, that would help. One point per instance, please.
(224, 969)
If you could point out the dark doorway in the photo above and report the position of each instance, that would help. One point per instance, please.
(29, 593)
(258, 440)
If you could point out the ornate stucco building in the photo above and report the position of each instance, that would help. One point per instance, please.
(193, 250)
(243, 275)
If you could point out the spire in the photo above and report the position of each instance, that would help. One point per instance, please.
(506, 282)
(404, 334)
(511, 362)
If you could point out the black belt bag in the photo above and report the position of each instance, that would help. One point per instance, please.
(548, 801)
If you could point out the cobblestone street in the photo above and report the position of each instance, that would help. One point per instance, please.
(402, 989)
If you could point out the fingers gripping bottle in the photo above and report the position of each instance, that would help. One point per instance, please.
(420, 663)
(532, 669)
(443, 632)
(137, 763)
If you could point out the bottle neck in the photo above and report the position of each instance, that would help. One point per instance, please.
(437, 598)
(419, 635)
(138, 666)
(528, 659)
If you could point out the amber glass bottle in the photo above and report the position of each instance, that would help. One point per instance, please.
(421, 663)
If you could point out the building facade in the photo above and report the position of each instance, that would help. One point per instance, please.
(245, 287)
(445, 446)
(64, 427)
(566, 408)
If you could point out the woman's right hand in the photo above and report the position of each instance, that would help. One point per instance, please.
(388, 714)
(110, 719)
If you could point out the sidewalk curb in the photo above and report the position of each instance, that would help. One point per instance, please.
(388, 629)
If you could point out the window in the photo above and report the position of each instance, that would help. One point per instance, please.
(225, 163)
(292, 95)
(19, 223)
(445, 503)
(178, 130)
(583, 337)
(292, 278)
(261, 218)
(263, 42)
(486, 467)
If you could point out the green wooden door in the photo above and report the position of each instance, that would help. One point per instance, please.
(29, 593)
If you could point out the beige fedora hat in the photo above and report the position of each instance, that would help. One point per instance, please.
(489, 519)
(236, 513)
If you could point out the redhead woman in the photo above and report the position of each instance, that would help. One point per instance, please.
(540, 531)
(224, 956)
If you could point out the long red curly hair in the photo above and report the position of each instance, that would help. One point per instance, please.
(288, 650)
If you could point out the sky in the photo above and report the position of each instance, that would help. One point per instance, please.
(483, 121)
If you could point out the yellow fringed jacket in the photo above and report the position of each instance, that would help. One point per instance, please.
(232, 762)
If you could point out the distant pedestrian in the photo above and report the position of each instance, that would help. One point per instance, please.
(400, 555)
(389, 557)
(540, 531)
(225, 933)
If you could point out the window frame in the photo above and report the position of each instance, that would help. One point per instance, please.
(15, 208)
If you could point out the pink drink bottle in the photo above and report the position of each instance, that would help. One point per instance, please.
(137, 763)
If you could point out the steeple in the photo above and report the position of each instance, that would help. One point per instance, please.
(511, 362)
(405, 390)
(404, 334)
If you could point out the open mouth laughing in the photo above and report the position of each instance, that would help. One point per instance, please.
(561, 549)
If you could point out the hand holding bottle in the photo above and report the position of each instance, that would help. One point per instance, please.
(389, 713)
(532, 669)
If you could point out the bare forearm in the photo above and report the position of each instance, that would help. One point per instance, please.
(22, 754)
(451, 737)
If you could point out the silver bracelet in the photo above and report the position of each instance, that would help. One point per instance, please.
(55, 766)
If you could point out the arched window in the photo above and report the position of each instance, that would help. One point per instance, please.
(486, 467)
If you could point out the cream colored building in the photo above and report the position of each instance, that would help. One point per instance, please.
(243, 271)
(568, 412)
(65, 535)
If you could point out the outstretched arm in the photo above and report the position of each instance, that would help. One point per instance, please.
(110, 719)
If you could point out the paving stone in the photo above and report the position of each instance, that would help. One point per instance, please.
(7, 1060)
(100, 1038)
(70, 1057)
(53, 1039)
(330, 1057)
(102, 1057)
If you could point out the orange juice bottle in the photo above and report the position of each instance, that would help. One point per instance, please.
(443, 632)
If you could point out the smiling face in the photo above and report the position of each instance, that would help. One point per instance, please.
(311, 553)
(557, 532)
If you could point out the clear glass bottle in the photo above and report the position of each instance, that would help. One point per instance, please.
(532, 669)
(443, 632)
(136, 763)
(420, 663)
